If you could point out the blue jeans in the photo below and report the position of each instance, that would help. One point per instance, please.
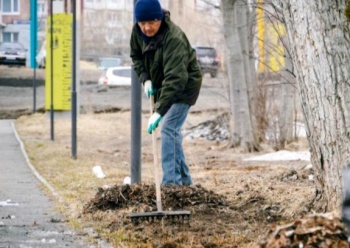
(175, 169)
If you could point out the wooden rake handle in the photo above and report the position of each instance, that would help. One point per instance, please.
(156, 160)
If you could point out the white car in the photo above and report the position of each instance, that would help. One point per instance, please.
(41, 56)
(12, 53)
(120, 76)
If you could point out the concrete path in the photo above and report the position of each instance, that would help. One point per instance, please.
(27, 216)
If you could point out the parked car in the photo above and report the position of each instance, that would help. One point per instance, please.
(41, 56)
(208, 60)
(13, 53)
(120, 75)
(108, 62)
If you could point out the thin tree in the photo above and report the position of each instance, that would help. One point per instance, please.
(240, 72)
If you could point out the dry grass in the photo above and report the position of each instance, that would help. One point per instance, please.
(260, 194)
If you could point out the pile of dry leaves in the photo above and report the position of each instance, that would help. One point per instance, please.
(318, 230)
(143, 197)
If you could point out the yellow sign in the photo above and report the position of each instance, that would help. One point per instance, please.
(271, 50)
(276, 32)
(261, 35)
(62, 62)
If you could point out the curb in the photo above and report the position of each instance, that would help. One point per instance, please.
(32, 168)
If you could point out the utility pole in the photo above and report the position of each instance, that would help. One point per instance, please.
(33, 44)
(51, 71)
(136, 102)
(74, 90)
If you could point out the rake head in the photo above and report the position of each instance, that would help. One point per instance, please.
(159, 215)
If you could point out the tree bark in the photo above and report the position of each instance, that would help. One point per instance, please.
(235, 17)
(319, 37)
(233, 71)
(288, 107)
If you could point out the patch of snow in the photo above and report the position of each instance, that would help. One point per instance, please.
(216, 129)
(52, 241)
(281, 155)
(300, 129)
(8, 203)
(308, 167)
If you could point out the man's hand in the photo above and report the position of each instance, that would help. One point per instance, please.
(148, 87)
(153, 122)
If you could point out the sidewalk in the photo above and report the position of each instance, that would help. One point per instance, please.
(27, 216)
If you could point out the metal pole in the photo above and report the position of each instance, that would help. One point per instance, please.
(33, 45)
(135, 150)
(34, 90)
(74, 91)
(136, 102)
(51, 75)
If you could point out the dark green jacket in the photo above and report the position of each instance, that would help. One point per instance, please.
(169, 61)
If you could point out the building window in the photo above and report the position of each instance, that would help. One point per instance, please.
(41, 9)
(10, 37)
(113, 17)
(10, 6)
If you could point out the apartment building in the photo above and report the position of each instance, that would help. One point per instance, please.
(105, 25)
(15, 21)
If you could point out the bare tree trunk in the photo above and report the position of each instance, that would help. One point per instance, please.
(252, 80)
(238, 68)
(319, 37)
(288, 76)
(241, 14)
(233, 71)
(287, 108)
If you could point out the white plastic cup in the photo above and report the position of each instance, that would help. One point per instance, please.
(97, 170)
(127, 180)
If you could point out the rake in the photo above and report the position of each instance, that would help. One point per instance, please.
(159, 214)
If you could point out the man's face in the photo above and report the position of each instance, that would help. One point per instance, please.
(149, 28)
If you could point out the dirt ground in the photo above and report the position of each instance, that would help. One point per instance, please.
(233, 203)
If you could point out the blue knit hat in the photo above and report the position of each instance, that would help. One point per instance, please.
(148, 10)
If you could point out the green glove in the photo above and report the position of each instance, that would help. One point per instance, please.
(153, 122)
(149, 90)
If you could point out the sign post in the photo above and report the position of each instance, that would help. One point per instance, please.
(33, 45)
(60, 68)
(74, 89)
